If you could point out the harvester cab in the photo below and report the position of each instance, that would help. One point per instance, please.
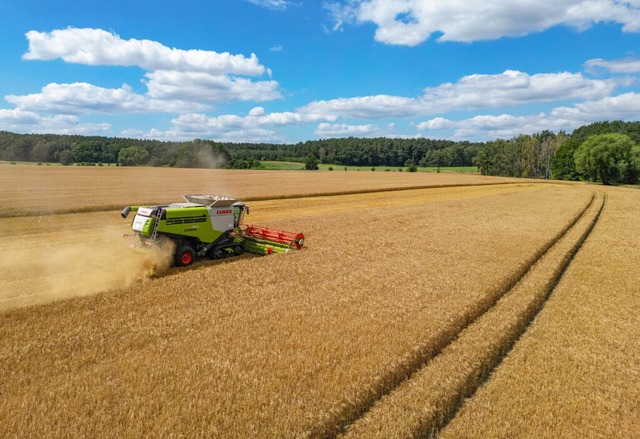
(206, 225)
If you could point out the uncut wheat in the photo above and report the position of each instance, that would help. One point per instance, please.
(38, 190)
(576, 372)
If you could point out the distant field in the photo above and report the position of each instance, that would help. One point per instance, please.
(281, 166)
(62, 189)
(271, 165)
(461, 307)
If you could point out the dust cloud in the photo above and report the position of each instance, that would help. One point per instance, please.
(101, 261)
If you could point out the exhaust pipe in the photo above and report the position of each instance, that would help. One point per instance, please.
(125, 212)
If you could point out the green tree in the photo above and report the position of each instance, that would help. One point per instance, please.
(132, 156)
(563, 165)
(608, 158)
(66, 157)
(311, 164)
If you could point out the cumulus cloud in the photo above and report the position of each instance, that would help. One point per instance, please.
(438, 123)
(508, 89)
(97, 47)
(198, 86)
(84, 98)
(256, 126)
(27, 121)
(622, 107)
(411, 22)
(177, 80)
(345, 130)
(628, 65)
(366, 107)
(225, 128)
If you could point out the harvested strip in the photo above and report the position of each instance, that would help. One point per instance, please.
(425, 402)
(576, 372)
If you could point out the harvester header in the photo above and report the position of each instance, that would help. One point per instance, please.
(207, 225)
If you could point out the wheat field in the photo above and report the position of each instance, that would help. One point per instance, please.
(408, 313)
(37, 190)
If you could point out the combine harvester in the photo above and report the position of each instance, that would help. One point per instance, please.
(207, 225)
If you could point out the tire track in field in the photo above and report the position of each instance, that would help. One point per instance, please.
(349, 416)
(522, 324)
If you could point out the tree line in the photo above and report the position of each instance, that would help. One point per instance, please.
(352, 151)
(69, 149)
(607, 152)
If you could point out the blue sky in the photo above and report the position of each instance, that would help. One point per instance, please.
(295, 70)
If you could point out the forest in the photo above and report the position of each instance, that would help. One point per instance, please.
(607, 152)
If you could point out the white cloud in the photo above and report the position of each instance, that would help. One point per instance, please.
(342, 13)
(622, 107)
(508, 89)
(345, 130)
(225, 128)
(438, 123)
(84, 98)
(177, 80)
(29, 122)
(512, 88)
(272, 4)
(366, 107)
(256, 126)
(483, 127)
(411, 22)
(98, 47)
(628, 65)
(202, 87)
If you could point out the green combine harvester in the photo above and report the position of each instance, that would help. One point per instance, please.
(206, 226)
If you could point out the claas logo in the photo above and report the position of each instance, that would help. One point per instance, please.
(224, 211)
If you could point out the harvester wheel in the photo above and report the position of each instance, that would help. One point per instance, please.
(185, 256)
(237, 250)
(217, 253)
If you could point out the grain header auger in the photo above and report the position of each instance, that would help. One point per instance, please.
(206, 225)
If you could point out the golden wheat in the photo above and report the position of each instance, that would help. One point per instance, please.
(576, 372)
(37, 190)
(54, 256)
(282, 346)
(422, 404)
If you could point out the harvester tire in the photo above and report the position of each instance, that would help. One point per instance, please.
(217, 253)
(237, 250)
(185, 256)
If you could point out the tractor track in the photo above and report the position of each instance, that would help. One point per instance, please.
(349, 414)
(522, 326)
